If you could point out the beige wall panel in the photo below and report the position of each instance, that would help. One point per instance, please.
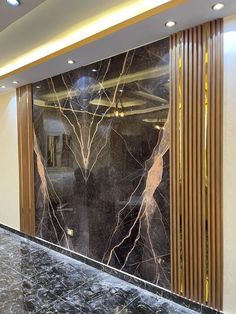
(229, 165)
(9, 170)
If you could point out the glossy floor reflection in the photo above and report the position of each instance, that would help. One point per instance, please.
(34, 279)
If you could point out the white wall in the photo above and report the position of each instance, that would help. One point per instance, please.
(229, 165)
(9, 170)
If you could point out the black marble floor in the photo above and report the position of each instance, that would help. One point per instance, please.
(34, 279)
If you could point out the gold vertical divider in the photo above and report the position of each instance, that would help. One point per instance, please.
(196, 163)
(177, 265)
(178, 156)
(26, 159)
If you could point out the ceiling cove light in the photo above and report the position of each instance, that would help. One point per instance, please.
(15, 82)
(170, 24)
(70, 61)
(13, 3)
(104, 22)
(218, 6)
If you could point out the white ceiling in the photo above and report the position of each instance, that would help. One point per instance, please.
(9, 15)
(192, 13)
(47, 23)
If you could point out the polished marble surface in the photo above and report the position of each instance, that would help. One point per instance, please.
(101, 144)
(35, 279)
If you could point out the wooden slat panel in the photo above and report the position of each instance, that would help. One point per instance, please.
(196, 163)
(26, 161)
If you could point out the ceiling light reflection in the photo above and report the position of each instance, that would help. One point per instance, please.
(218, 6)
(13, 3)
(170, 24)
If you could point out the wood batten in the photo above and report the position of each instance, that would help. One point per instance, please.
(26, 159)
(196, 163)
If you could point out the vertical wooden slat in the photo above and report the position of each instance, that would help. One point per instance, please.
(182, 170)
(172, 165)
(198, 135)
(203, 160)
(189, 145)
(196, 163)
(185, 165)
(26, 160)
(211, 167)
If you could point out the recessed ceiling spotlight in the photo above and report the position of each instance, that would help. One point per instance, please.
(170, 24)
(94, 70)
(13, 3)
(70, 61)
(218, 6)
(37, 86)
(3, 86)
(15, 82)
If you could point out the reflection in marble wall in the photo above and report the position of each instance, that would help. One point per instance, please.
(102, 163)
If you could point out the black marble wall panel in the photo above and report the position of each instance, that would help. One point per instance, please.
(101, 141)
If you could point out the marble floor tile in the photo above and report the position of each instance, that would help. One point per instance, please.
(30, 263)
(35, 279)
(20, 296)
(106, 294)
(61, 279)
(62, 307)
(147, 303)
